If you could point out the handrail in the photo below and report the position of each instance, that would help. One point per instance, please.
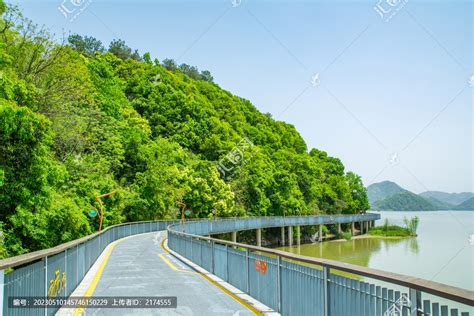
(456, 294)
(15, 261)
(37, 255)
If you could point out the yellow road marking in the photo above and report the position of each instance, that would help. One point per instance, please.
(79, 310)
(163, 257)
(216, 284)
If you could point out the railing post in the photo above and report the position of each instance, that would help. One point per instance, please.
(2, 284)
(326, 272)
(212, 256)
(248, 270)
(227, 262)
(200, 257)
(279, 285)
(65, 272)
(415, 302)
(77, 265)
(45, 283)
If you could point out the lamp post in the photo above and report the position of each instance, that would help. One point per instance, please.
(101, 213)
(183, 206)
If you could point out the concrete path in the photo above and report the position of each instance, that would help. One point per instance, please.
(139, 266)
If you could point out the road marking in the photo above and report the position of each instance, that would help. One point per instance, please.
(216, 284)
(80, 310)
(168, 262)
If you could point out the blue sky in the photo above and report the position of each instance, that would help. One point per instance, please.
(393, 100)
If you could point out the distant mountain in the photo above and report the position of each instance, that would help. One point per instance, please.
(450, 198)
(382, 190)
(466, 205)
(405, 201)
(388, 195)
(437, 204)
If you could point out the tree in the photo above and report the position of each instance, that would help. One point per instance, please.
(190, 71)
(122, 51)
(87, 45)
(206, 76)
(169, 64)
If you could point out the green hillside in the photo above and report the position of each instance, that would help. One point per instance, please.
(382, 190)
(78, 120)
(450, 198)
(406, 201)
(438, 205)
(466, 205)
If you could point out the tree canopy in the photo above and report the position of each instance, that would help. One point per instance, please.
(77, 121)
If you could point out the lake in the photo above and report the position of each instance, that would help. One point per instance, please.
(442, 252)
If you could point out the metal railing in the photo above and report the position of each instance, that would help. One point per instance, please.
(299, 285)
(56, 272)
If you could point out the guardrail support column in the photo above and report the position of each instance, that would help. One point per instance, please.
(248, 270)
(279, 285)
(290, 236)
(283, 241)
(259, 237)
(2, 284)
(212, 256)
(326, 272)
(415, 302)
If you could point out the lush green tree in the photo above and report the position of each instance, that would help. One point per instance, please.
(170, 64)
(87, 45)
(122, 51)
(206, 76)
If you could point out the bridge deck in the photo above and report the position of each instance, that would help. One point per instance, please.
(139, 266)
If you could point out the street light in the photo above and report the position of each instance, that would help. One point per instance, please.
(101, 213)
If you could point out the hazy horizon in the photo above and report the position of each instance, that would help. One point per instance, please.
(392, 100)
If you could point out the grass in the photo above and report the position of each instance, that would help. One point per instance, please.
(388, 230)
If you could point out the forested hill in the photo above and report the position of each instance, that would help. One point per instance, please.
(78, 120)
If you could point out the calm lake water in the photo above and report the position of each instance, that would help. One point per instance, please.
(442, 252)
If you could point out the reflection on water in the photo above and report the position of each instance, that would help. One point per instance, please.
(440, 253)
(356, 251)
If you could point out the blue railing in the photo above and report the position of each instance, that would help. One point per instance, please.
(291, 284)
(298, 285)
(68, 263)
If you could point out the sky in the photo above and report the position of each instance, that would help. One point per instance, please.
(382, 85)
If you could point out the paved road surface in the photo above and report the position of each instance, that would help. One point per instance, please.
(138, 266)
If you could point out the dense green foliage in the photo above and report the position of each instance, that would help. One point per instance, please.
(78, 121)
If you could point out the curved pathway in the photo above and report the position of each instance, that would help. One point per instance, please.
(140, 266)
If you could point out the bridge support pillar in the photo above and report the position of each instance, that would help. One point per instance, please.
(283, 236)
(361, 224)
(320, 235)
(339, 230)
(259, 237)
(353, 228)
(290, 236)
(367, 225)
(298, 235)
(234, 236)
